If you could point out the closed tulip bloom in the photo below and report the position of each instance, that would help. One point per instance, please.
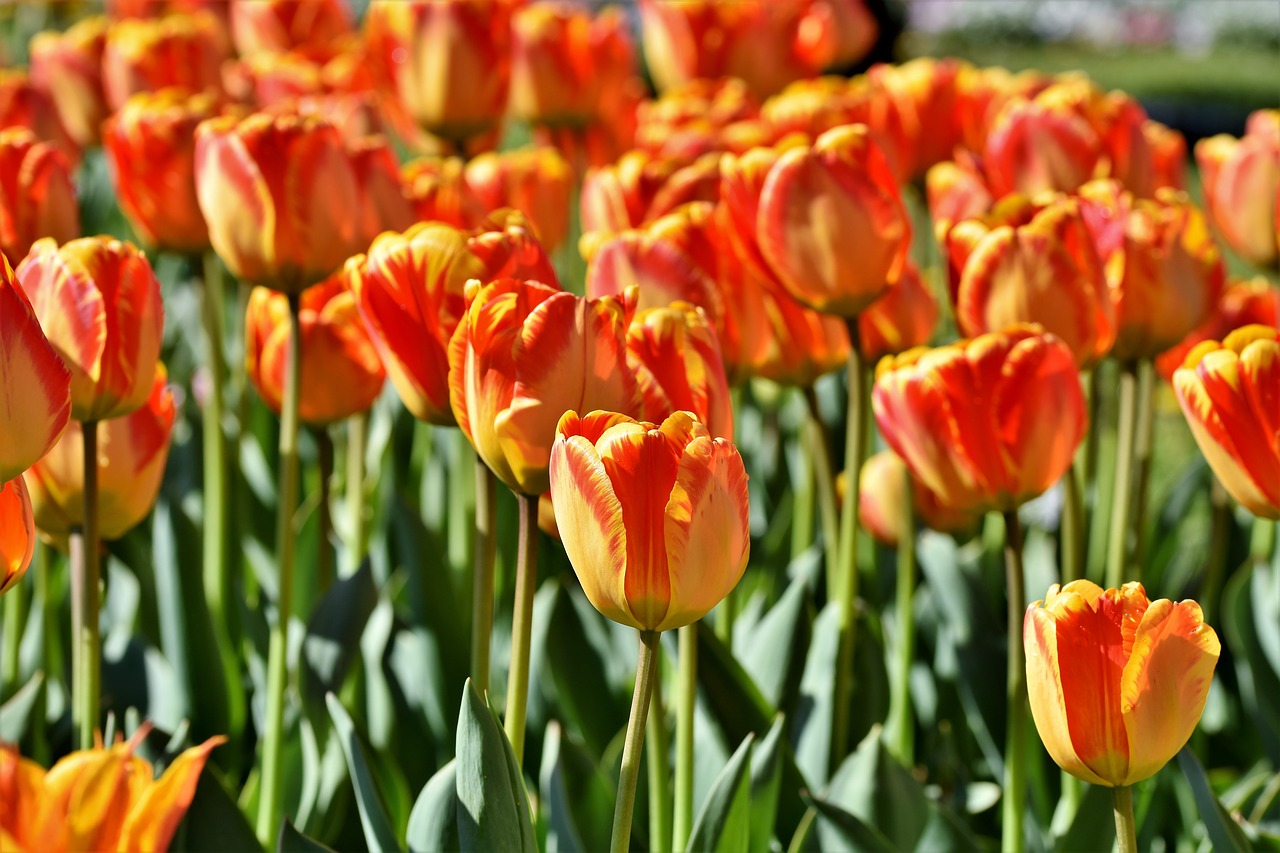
(676, 358)
(384, 206)
(956, 191)
(1227, 392)
(99, 304)
(1036, 145)
(1244, 303)
(68, 65)
(880, 501)
(642, 187)
(538, 182)
(922, 94)
(279, 196)
(987, 423)
(524, 354)
(437, 190)
(1143, 155)
(981, 95)
(184, 51)
(36, 384)
(1241, 180)
(17, 535)
(654, 518)
(341, 373)
(132, 452)
(151, 147)
(24, 105)
(279, 26)
(902, 319)
(831, 223)
(1117, 682)
(37, 198)
(802, 344)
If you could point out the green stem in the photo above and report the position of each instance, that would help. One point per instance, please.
(847, 587)
(686, 701)
(216, 587)
(357, 516)
(1126, 829)
(522, 624)
(50, 660)
(1262, 545)
(901, 725)
(15, 613)
(804, 505)
(1219, 544)
(659, 752)
(1015, 765)
(822, 472)
(462, 533)
(1073, 541)
(1121, 498)
(324, 518)
(1142, 463)
(85, 579)
(726, 613)
(271, 795)
(630, 773)
(482, 581)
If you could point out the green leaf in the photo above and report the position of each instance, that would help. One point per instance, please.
(1224, 832)
(775, 649)
(214, 823)
(845, 831)
(1259, 685)
(576, 798)
(724, 821)
(872, 786)
(293, 841)
(766, 781)
(332, 640)
(493, 808)
(15, 714)
(433, 824)
(378, 832)
(1093, 827)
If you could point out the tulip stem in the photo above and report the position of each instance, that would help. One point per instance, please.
(270, 801)
(1219, 546)
(900, 725)
(1015, 765)
(358, 530)
(630, 774)
(85, 571)
(1126, 831)
(214, 446)
(822, 474)
(1142, 462)
(1072, 535)
(659, 754)
(1121, 497)
(846, 591)
(522, 628)
(482, 582)
(686, 701)
(15, 613)
(323, 578)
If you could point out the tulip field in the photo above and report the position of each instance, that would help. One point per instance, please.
(496, 425)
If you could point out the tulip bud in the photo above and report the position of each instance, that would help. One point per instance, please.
(341, 373)
(981, 94)
(24, 105)
(640, 188)
(1117, 682)
(40, 200)
(99, 303)
(17, 532)
(132, 452)
(68, 66)
(181, 51)
(654, 518)
(676, 358)
(438, 192)
(279, 26)
(1241, 180)
(884, 481)
(1036, 145)
(536, 181)
(1243, 303)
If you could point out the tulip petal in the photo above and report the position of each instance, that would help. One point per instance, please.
(155, 814)
(236, 202)
(71, 315)
(17, 532)
(23, 801)
(36, 402)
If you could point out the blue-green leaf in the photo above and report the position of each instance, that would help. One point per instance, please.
(433, 823)
(378, 832)
(493, 808)
(724, 821)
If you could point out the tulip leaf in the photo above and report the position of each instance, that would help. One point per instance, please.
(1093, 827)
(775, 649)
(845, 830)
(332, 640)
(378, 831)
(576, 797)
(872, 786)
(1224, 833)
(293, 841)
(724, 821)
(15, 714)
(1265, 599)
(1259, 685)
(493, 808)
(214, 823)
(433, 823)
(766, 781)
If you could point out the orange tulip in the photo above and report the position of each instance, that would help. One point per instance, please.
(383, 203)
(341, 373)
(1043, 270)
(279, 196)
(536, 181)
(900, 320)
(98, 799)
(1117, 682)
(17, 542)
(884, 488)
(1241, 180)
(524, 354)
(987, 423)
(184, 51)
(701, 116)
(151, 146)
(132, 452)
(99, 303)
(68, 66)
(37, 198)
(36, 384)
(654, 518)
(1243, 303)
(279, 26)
(438, 192)
(981, 94)
(921, 95)
(677, 362)
(641, 187)
(957, 190)
(23, 104)
(1227, 392)
(1143, 155)
(1040, 144)
(831, 224)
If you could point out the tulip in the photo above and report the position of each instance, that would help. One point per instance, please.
(184, 51)
(921, 94)
(1036, 145)
(1117, 682)
(536, 181)
(880, 502)
(17, 534)
(1227, 393)
(676, 358)
(279, 196)
(956, 190)
(1243, 303)
(525, 353)
(383, 203)
(831, 224)
(987, 423)
(68, 66)
(23, 104)
(99, 303)
(900, 320)
(626, 494)
(640, 188)
(36, 384)
(981, 94)
(438, 192)
(132, 452)
(39, 199)
(1241, 180)
(1142, 154)
(279, 26)
(699, 116)
(803, 344)
(150, 145)
(341, 373)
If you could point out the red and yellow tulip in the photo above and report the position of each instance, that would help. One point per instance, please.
(183, 51)
(1241, 179)
(676, 358)
(68, 65)
(17, 538)
(880, 501)
(39, 198)
(1248, 302)
(538, 182)
(279, 26)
